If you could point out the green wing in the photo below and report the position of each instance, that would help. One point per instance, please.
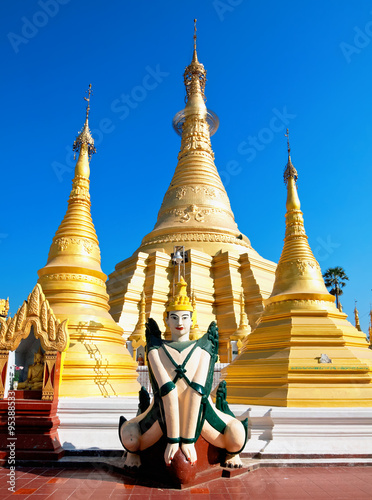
(152, 329)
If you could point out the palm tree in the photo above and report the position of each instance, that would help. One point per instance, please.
(335, 278)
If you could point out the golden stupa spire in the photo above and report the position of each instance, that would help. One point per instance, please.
(77, 226)
(195, 332)
(139, 332)
(196, 206)
(243, 329)
(195, 55)
(194, 79)
(77, 230)
(85, 136)
(97, 362)
(298, 272)
(356, 318)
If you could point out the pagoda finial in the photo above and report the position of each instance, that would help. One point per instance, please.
(195, 332)
(89, 92)
(140, 329)
(356, 317)
(289, 171)
(288, 146)
(194, 79)
(85, 136)
(195, 75)
(290, 179)
(195, 57)
(243, 329)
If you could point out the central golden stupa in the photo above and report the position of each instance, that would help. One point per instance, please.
(196, 214)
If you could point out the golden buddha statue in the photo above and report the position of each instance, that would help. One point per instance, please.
(35, 373)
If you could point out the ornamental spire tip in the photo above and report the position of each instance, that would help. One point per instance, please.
(85, 136)
(289, 171)
(195, 53)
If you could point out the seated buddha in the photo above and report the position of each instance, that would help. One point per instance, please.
(35, 373)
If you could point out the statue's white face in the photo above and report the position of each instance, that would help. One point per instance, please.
(179, 323)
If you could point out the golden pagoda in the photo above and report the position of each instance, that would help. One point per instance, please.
(196, 214)
(303, 352)
(97, 362)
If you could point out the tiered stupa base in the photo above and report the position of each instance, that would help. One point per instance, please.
(302, 358)
(217, 282)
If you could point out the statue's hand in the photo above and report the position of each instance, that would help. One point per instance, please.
(189, 452)
(170, 451)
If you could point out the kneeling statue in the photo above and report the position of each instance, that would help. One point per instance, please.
(181, 375)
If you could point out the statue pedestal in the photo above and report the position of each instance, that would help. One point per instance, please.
(36, 425)
(181, 474)
(27, 394)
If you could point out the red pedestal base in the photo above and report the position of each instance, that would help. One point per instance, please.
(27, 394)
(181, 474)
(33, 432)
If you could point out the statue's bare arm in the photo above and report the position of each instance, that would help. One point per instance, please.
(191, 403)
(170, 403)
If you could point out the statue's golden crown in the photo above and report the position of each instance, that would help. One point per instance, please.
(180, 301)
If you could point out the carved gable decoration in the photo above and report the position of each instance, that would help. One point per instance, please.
(36, 312)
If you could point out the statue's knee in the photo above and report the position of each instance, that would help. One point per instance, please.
(234, 436)
(130, 435)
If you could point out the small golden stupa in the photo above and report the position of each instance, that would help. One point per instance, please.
(97, 362)
(303, 352)
(356, 318)
(196, 214)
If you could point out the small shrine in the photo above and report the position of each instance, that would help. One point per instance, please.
(35, 341)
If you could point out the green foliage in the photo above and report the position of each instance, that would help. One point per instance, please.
(335, 279)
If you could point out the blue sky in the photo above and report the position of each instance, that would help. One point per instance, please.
(305, 65)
